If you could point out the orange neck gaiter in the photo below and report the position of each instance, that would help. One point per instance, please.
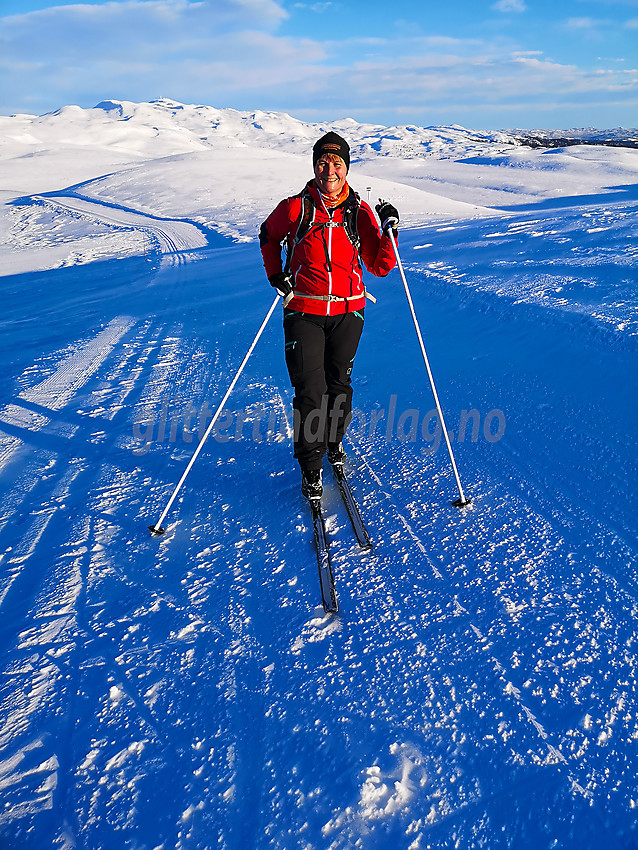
(332, 201)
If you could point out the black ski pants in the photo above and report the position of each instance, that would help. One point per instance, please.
(320, 352)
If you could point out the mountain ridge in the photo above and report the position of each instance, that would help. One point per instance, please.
(189, 127)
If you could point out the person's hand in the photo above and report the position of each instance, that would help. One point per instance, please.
(282, 282)
(388, 216)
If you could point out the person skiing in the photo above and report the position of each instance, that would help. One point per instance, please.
(328, 231)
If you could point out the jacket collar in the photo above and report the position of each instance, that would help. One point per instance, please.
(318, 197)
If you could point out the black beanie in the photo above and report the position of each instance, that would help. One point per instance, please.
(331, 143)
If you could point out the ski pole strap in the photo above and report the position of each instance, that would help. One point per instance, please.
(364, 294)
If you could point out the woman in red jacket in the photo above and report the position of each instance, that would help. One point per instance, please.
(328, 232)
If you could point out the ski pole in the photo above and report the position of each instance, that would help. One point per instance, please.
(157, 528)
(462, 501)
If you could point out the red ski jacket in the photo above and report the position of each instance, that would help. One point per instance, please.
(325, 264)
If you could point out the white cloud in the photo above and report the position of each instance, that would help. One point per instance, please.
(594, 29)
(510, 6)
(583, 23)
(216, 13)
(231, 53)
(314, 7)
(145, 45)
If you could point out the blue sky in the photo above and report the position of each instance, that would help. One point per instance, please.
(487, 65)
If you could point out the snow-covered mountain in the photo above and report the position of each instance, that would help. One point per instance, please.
(165, 127)
(618, 137)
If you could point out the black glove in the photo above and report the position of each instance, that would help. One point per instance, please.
(388, 216)
(282, 282)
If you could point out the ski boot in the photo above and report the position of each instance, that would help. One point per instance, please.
(336, 454)
(311, 486)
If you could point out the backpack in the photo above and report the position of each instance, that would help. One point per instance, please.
(307, 222)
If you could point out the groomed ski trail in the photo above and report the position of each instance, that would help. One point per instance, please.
(189, 690)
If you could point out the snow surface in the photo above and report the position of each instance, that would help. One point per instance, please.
(478, 688)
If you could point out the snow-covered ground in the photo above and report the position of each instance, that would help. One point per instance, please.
(478, 688)
(225, 170)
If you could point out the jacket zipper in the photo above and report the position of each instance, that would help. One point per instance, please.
(329, 260)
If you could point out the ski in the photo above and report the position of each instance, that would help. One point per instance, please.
(326, 578)
(361, 532)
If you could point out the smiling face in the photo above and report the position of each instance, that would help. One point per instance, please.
(330, 174)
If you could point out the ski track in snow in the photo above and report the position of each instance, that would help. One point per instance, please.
(172, 236)
(51, 231)
(478, 687)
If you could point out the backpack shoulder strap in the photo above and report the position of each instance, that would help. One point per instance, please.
(304, 223)
(350, 214)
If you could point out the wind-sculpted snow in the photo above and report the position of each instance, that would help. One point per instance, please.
(477, 688)
(569, 257)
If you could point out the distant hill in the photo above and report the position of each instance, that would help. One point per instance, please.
(166, 127)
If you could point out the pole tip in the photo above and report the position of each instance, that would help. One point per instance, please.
(462, 503)
(156, 532)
